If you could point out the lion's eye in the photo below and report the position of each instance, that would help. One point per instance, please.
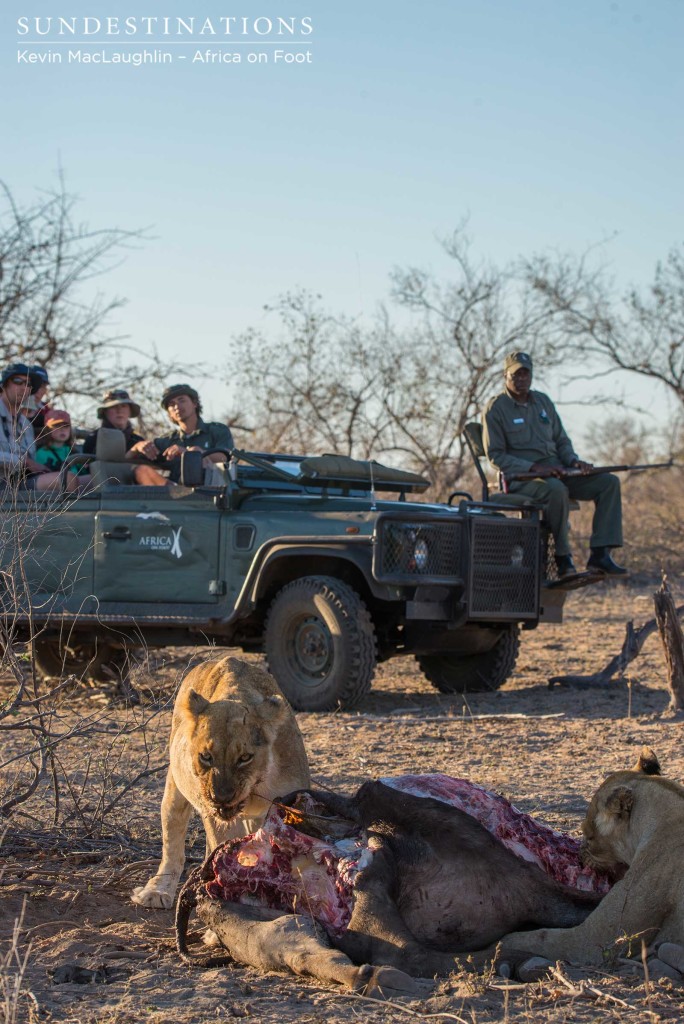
(206, 759)
(245, 758)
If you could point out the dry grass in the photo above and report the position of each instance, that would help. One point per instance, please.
(545, 749)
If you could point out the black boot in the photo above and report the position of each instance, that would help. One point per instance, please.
(601, 561)
(565, 566)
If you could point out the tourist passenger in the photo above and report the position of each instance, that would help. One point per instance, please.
(57, 443)
(18, 465)
(38, 408)
(115, 412)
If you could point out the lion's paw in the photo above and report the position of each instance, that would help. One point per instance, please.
(150, 896)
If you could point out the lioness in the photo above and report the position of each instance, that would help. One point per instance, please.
(634, 819)
(235, 745)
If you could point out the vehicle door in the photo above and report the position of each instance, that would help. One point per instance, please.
(163, 551)
(46, 549)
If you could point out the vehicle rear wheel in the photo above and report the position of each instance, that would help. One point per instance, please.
(56, 658)
(450, 672)
(320, 644)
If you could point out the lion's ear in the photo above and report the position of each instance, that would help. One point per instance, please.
(194, 703)
(647, 763)
(273, 707)
(269, 714)
(620, 802)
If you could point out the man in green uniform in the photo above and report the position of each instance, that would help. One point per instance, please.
(523, 433)
(182, 403)
(184, 408)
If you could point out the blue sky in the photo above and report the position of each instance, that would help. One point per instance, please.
(548, 124)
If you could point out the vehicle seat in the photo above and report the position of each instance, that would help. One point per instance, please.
(110, 464)
(472, 432)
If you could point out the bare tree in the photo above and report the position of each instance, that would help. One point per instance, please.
(311, 388)
(640, 331)
(328, 383)
(51, 309)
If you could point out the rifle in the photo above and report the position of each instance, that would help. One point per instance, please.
(570, 473)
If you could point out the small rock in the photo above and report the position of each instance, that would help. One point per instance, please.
(534, 968)
(630, 969)
(72, 974)
(659, 969)
(672, 953)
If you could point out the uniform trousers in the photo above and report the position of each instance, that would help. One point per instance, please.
(554, 494)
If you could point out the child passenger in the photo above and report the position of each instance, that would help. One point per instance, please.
(56, 443)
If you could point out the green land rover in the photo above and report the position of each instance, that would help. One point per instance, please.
(326, 564)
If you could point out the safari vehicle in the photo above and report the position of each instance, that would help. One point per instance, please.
(310, 560)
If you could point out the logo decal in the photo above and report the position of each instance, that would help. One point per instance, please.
(176, 548)
(164, 542)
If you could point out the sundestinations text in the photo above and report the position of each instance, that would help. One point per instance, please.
(155, 27)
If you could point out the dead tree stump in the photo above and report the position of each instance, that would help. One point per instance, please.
(673, 643)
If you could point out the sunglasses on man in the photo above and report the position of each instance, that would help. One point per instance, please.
(19, 380)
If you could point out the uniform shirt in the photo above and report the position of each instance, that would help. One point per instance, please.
(16, 440)
(518, 434)
(205, 435)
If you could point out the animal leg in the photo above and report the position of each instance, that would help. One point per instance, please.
(175, 815)
(292, 942)
(625, 913)
(377, 932)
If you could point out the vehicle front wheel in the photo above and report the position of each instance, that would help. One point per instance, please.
(56, 658)
(320, 644)
(450, 672)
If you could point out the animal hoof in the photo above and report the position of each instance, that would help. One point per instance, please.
(211, 939)
(388, 983)
(145, 896)
(533, 969)
(672, 954)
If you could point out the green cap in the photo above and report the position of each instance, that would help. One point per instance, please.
(517, 361)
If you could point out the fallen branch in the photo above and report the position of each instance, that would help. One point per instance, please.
(445, 719)
(381, 1004)
(583, 988)
(673, 643)
(615, 669)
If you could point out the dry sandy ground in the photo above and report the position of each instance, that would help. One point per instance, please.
(545, 749)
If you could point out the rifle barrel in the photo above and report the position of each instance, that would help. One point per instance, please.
(592, 471)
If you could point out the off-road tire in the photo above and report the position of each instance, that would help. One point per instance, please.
(319, 642)
(450, 672)
(56, 659)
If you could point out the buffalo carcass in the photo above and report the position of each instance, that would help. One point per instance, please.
(391, 881)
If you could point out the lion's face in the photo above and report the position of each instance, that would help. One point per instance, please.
(606, 845)
(230, 744)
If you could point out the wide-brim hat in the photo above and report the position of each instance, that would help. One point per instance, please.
(117, 396)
